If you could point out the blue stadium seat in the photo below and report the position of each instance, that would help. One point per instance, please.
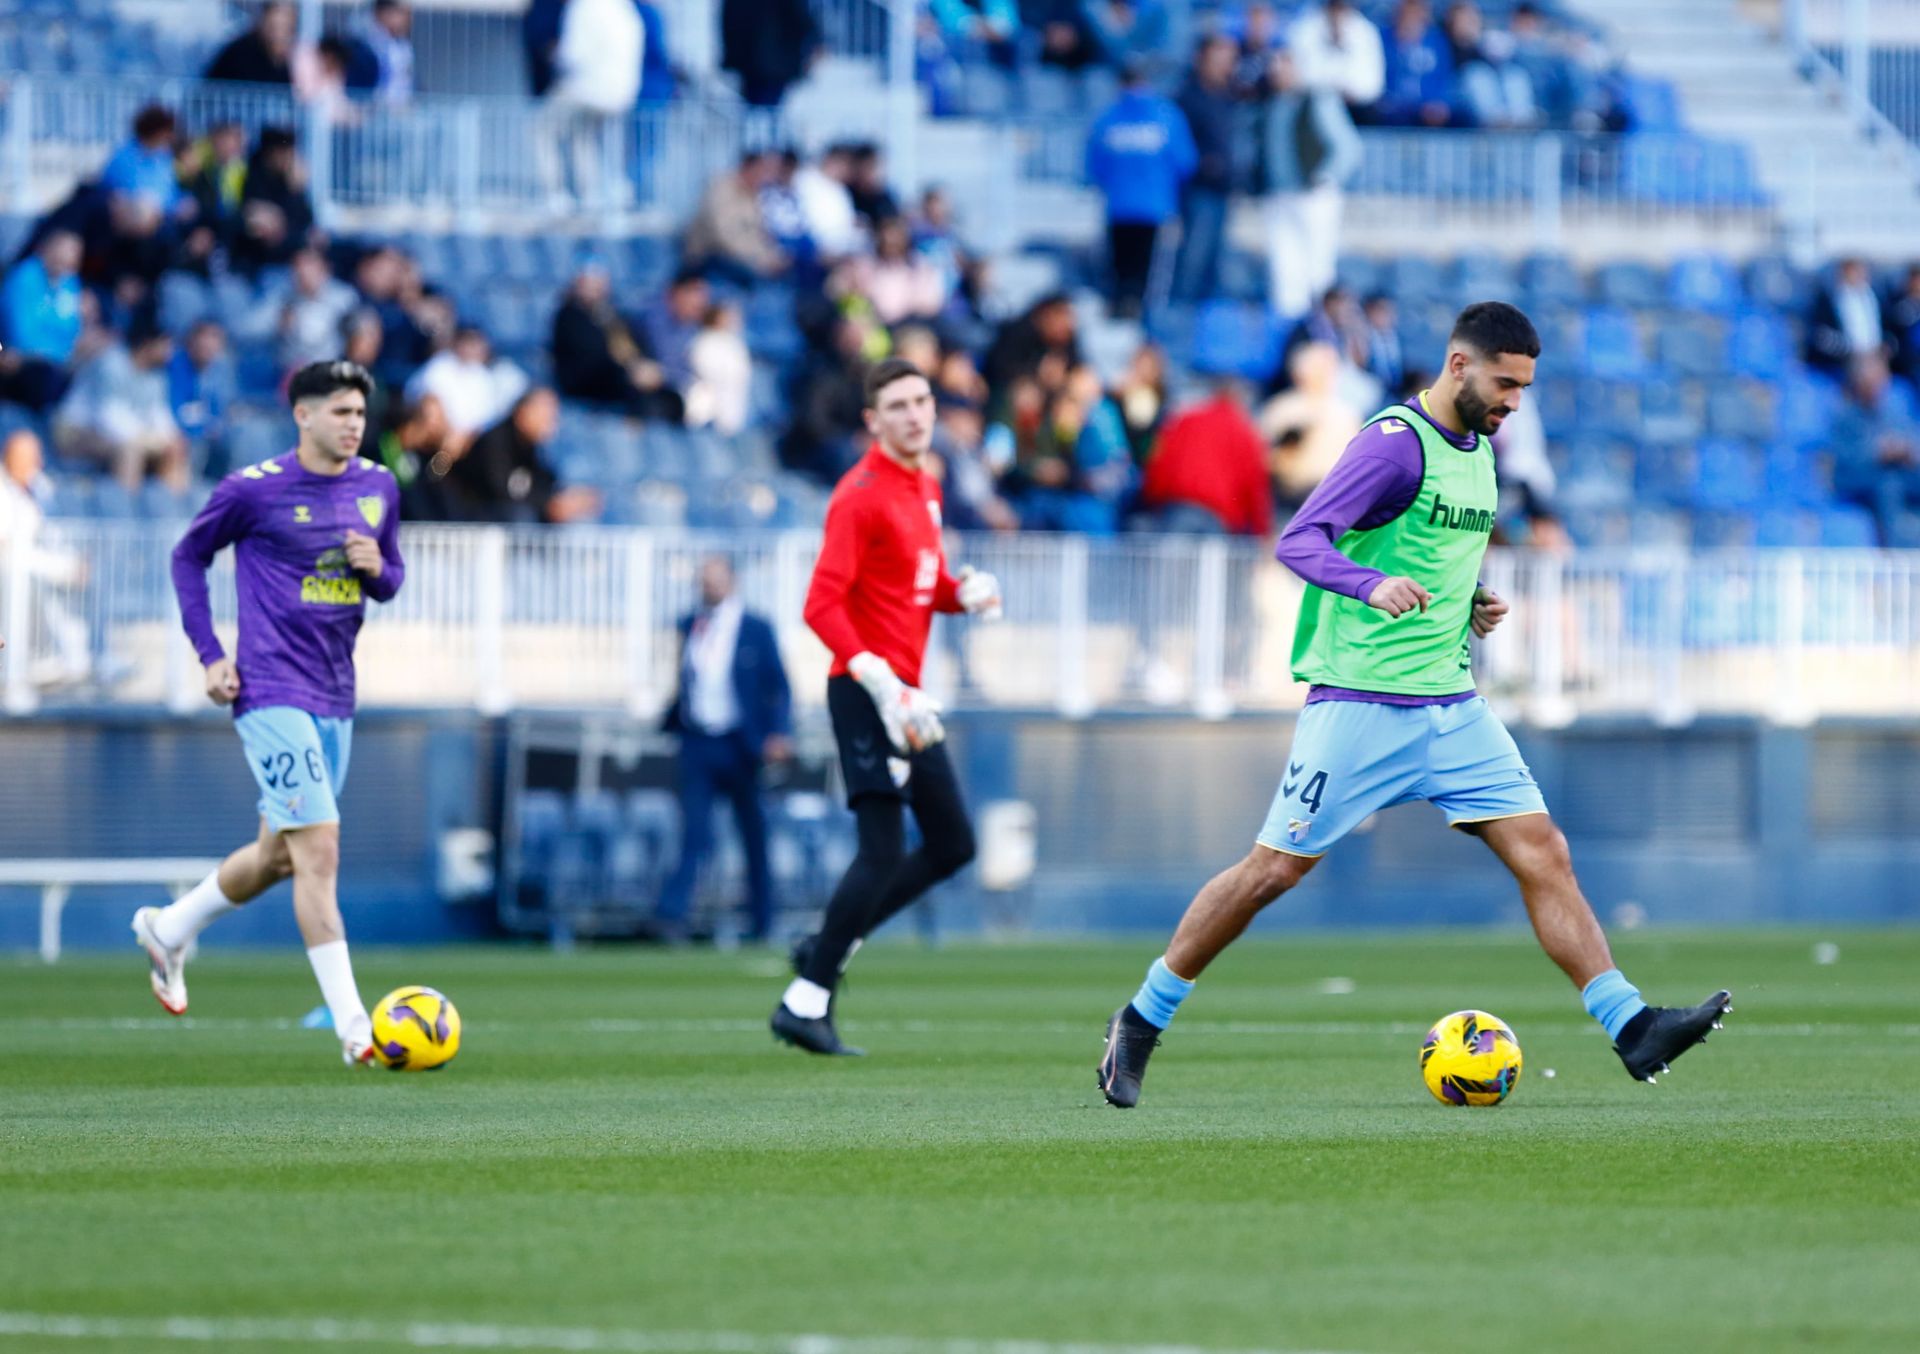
(1714, 530)
(542, 822)
(1798, 478)
(1693, 345)
(1807, 406)
(1485, 277)
(1671, 411)
(1633, 285)
(1662, 474)
(1788, 527)
(1652, 105)
(1613, 346)
(1551, 279)
(518, 260)
(1848, 527)
(1243, 276)
(1658, 528)
(1742, 409)
(1760, 345)
(1703, 282)
(1609, 408)
(1235, 340)
(1775, 283)
(1557, 397)
(1413, 278)
(1360, 274)
(1728, 477)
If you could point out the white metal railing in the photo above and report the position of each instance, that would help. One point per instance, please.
(1870, 51)
(494, 619)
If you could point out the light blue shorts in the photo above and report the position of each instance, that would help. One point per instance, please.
(300, 761)
(1353, 758)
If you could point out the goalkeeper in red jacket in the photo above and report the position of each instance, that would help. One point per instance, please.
(880, 577)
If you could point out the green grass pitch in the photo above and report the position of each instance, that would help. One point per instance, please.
(620, 1158)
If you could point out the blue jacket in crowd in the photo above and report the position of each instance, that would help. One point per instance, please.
(1138, 155)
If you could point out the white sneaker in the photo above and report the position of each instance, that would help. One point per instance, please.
(356, 1046)
(169, 971)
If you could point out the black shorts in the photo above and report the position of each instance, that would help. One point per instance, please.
(868, 762)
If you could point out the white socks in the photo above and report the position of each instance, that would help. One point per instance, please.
(335, 972)
(807, 1000)
(191, 913)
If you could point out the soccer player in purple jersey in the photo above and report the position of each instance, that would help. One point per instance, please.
(315, 533)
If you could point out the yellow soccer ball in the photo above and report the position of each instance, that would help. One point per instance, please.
(1470, 1058)
(415, 1029)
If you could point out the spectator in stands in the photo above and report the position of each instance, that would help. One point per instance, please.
(722, 389)
(539, 35)
(595, 87)
(1211, 106)
(380, 277)
(1561, 91)
(728, 237)
(1141, 398)
(317, 303)
(673, 323)
(321, 71)
(143, 197)
(1902, 323)
(1048, 335)
(361, 338)
(1418, 89)
(936, 240)
(828, 434)
(1846, 321)
(1527, 515)
(475, 391)
(503, 478)
(782, 216)
(24, 490)
(599, 357)
(980, 28)
(899, 283)
(1072, 465)
(733, 712)
(1139, 153)
(1337, 47)
(118, 413)
(1209, 472)
(657, 78)
(873, 201)
(201, 387)
(413, 449)
(1312, 152)
(262, 55)
(1066, 38)
(769, 44)
(1258, 37)
(1129, 31)
(825, 194)
(1309, 425)
(1385, 361)
(216, 180)
(1494, 90)
(276, 215)
(1876, 447)
(46, 313)
(972, 502)
(388, 35)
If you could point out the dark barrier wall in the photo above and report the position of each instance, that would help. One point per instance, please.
(1716, 823)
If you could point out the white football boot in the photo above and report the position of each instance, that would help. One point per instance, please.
(169, 964)
(356, 1045)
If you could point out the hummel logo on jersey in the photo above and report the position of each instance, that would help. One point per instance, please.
(302, 514)
(1391, 426)
(1455, 518)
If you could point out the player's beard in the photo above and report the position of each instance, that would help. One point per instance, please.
(1474, 412)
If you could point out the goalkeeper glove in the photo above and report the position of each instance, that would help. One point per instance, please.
(980, 594)
(910, 716)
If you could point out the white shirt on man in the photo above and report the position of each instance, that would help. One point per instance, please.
(712, 704)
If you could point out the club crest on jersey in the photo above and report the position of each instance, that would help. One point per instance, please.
(373, 508)
(933, 511)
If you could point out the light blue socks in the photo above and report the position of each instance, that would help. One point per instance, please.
(1612, 1001)
(1161, 994)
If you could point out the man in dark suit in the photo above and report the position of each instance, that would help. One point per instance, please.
(733, 713)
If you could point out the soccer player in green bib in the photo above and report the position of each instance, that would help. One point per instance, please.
(1390, 546)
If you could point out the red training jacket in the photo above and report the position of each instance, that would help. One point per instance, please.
(882, 572)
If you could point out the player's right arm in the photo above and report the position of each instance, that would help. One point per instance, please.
(219, 524)
(1375, 480)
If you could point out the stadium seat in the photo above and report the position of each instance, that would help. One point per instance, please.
(1551, 279)
(1234, 339)
(1671, 411)
(1807, 406)
(1613, 347)
(1848, 527)
(1360, 274)
(1787, 527)
(1728, 477)
(1742, 409)
(1412, 278)
(1485, 277)
(1631, 285)
(1760, 345)
(1775, 283)
(1609, 408)
(1703, 282)
(1797, 478)
(1693, 345)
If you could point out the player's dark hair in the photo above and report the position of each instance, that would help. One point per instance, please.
(317, 380)
(1491, 328)
(883, 374)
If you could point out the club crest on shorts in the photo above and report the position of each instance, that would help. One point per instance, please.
(373, 508)
(1297, 830)
(900, 769)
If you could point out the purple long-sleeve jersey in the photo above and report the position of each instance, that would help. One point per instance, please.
(1375, 480)
(301, 604)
